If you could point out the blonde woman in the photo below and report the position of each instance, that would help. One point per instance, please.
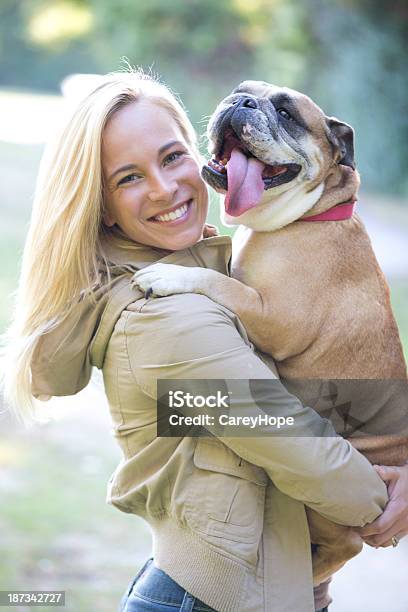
(118, 189)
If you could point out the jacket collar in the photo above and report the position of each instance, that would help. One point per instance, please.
(124, 255)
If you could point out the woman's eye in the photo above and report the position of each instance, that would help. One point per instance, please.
(284, 113)
(129, 178)
(173, 156)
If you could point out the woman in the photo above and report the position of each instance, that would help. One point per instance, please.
(119, 189)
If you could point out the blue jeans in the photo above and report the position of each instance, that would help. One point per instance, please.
(154, 591)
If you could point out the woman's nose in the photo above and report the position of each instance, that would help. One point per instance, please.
(162, 187)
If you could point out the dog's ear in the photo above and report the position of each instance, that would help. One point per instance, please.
(341, 136)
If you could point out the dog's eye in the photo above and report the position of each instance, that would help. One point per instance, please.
(284, 113)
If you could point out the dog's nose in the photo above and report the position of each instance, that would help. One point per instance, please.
(249, 103)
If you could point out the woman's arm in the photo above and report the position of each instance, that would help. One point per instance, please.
(189, 337)
(394, 520)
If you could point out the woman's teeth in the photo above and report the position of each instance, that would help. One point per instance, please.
(175, 214)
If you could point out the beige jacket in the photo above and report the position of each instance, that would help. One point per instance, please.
(227, 515)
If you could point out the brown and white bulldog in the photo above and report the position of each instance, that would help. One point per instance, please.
(306, 283)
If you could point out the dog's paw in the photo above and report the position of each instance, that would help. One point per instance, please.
(164, 279)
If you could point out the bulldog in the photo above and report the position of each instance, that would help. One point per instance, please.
(306, 283)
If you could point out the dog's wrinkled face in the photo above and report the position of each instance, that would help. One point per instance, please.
(266, 141)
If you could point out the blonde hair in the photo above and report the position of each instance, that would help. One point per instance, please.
(63, 249)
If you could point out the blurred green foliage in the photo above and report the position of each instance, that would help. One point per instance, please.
(347, 54)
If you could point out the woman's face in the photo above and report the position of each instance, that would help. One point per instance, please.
(154, 191)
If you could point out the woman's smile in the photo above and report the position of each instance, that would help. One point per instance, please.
(175, 215)
(154, 192)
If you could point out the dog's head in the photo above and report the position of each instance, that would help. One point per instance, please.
(273, 146)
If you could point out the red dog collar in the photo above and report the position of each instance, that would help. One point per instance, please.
(337, 213)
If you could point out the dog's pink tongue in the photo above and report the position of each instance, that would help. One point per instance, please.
(245, 184)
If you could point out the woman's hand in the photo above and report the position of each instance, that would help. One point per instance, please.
(393, 522)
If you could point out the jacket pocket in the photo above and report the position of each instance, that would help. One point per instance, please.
(227, 494)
